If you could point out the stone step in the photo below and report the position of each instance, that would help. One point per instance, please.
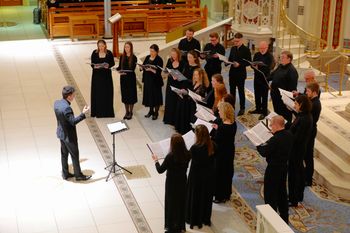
(286, 38)
(334, 183)
(330, 138)
(331, 160)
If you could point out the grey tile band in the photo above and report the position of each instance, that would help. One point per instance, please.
(119, 180)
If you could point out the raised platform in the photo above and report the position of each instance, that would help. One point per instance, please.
(332, 148)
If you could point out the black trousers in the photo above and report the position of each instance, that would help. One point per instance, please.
(72, 149)
(296, 180)
(239, 83)
(279, 107)
(261, 94)
(309, 157)
(275, 189)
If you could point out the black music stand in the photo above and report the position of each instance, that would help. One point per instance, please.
(113, 129)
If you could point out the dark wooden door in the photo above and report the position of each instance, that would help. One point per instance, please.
(11, 2)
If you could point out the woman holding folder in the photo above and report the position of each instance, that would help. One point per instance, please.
(175, 163)
(126, 68)
(174, 62)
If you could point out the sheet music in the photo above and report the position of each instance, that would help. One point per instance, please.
(189, 139)
(254, 63)
(177, 74)
(224, 59)
(117, 126)
(204, 115)
(198, 106)
(258, 134)
(205, 123)
(288, 102)
(162, 148)
(177, 91)
(195, 96)
(286, 93)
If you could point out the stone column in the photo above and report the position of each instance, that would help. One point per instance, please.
(107, 13)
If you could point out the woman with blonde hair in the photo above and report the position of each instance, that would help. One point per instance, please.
(225, 152)
(200, 184)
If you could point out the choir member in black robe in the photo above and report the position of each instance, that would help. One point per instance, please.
(152, 83)
(276, 151)
(200, 180)
(174, 62)
(102, 60)
(210, 96)
(189, 43)
(261, 86)
(219, 92)
(224, 153)
(175, 163)
(238, 72)
(127, 63)
(309, 77)
(301, 130)
(284, 77)
(213, 63)
(183, 108)
(199, 86)
(312, 91)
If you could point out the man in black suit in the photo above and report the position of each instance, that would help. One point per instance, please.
(313, 92)
(276, 151)
(189, 43)
(261, 86)
(238, 73)
(67, 133)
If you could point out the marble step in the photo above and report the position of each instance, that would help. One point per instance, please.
(333, 140)
(334, 183)
(332, 161)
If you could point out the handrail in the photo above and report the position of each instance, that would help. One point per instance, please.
(299, 29)
(342, 70)
(335, 58)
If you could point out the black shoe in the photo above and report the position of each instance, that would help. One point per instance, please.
(66, 177)
(129, 116)
(241, 112)
(262, 117)
(308, 184)
(256, 111)
(82, 177)
(149, 114)
(126, 115)
(218, 201)
(293, 204)
(155, 116)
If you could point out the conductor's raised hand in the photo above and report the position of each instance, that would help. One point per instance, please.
(86, 109)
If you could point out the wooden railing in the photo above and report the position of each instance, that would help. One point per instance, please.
(161, 17)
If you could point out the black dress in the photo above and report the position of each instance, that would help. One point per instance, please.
(128, 80)
(153, 82)
(200, 187)
(183, 107)
(170, 96)
(102, 86)
(224, 155)
(301, 130)
(175, 193)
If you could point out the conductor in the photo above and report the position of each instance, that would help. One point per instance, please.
(67, 133)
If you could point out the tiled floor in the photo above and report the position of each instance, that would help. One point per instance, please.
(33, 196)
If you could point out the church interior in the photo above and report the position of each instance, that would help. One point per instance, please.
(43, 48)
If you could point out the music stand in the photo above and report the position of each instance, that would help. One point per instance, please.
(114, 128)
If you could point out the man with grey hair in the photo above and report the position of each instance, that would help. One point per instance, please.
(276, 151)
(67, 133)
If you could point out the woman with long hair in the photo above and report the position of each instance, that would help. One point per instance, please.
(102, 90)
(126, 68)
(225, 152)
(219, 92)
(301, 130)
(210, 97)
(153, 82)
(174, 62)
(183, 114)
(175, 163)
(200, 186)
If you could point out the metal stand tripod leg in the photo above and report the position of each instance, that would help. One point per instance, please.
(114, 163)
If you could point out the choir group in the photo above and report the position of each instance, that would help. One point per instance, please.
(189, 199)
